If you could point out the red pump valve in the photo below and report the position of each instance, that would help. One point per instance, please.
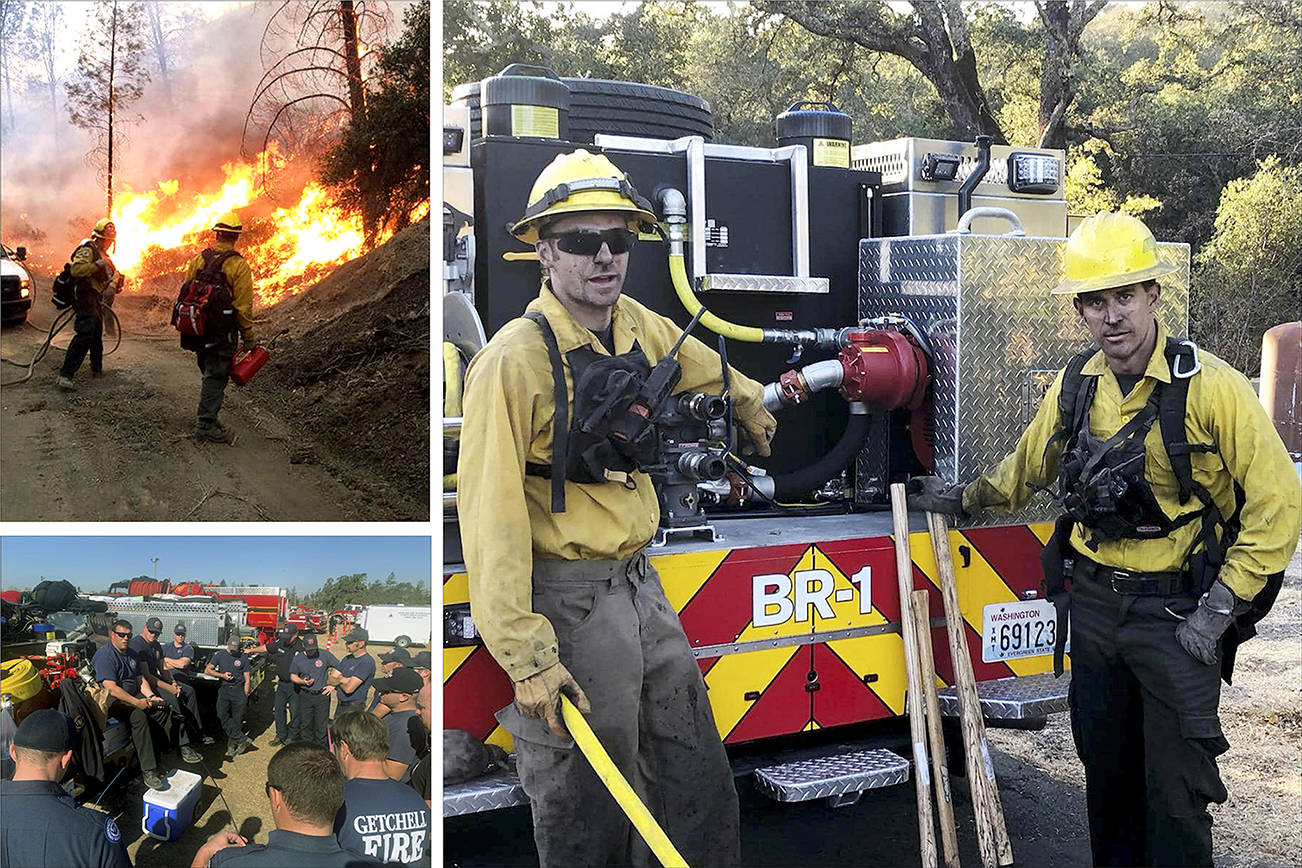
(884, 368)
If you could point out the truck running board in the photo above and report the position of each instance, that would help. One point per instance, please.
(840, 779)
(1014, 698)
(501, 789)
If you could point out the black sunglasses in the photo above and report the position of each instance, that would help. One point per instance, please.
(268, 788)
(120, 633)
(587, 242)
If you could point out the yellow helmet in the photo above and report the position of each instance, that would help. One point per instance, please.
(105, 229)
(579, 183)
(1109, 250)
(229, 222)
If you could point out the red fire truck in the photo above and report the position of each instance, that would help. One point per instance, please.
(266, 605)
(307, 619)
(894, 297)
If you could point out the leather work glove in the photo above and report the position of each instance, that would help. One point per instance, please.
(756, 433)
(933, 494)
(1200, 633)
(539, 695)
(248, 344)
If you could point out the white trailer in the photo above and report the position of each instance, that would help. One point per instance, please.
(401, 625)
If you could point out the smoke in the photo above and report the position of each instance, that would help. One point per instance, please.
(190, 123)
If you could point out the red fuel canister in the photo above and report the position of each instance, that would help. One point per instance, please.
(248, 364)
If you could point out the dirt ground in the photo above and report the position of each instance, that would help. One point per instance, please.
(334, 428)
(238, 781)
(1041, 787)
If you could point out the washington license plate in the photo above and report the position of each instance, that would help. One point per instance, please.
(1013, 630)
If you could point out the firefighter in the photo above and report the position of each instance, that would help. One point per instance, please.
(231, 665)
(179, 698)
(132, 698)
(565, 600)
(97, 282)
(215, 352)
(1162, 589)
(41, 824)
(309, 671)
(282, 651)
(355, 673)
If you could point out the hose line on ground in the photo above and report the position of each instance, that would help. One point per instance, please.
(60, 323)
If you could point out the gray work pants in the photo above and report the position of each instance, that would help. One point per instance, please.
(215, 364)
(624, 645)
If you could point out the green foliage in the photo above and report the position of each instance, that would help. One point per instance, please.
(1249, 275)
(381, 164)
(342, 590)
(89, 96)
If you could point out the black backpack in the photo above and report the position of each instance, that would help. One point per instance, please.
(54, 596)
(204, 312)
(63, 292)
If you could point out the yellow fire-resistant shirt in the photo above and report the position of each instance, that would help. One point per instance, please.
(84, 266)
(1223, 410)
(240, 277)
(505, 517)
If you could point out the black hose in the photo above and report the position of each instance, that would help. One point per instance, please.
(804, 480)
(60, 323)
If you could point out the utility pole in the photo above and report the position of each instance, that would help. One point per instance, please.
(155, 560)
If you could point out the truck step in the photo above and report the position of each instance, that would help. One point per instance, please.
(839, 779)
(1014, 698)
(501, 789)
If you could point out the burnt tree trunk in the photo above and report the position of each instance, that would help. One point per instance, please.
(371, 208)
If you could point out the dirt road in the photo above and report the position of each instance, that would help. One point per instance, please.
(121, 447)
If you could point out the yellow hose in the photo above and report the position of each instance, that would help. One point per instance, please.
(451, 380)
(632, 806)
(683, 286)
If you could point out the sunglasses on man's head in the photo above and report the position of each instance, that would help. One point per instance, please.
(587, 242)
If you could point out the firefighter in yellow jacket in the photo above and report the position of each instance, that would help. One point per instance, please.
(1182, 510)
(231, 325)
(98, 280)
(565, 600)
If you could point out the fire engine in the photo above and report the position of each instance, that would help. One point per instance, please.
(894, 297)
(307, 619)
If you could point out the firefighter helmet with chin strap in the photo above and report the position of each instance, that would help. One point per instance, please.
(229, 222)
(105, 229)
(1107, 251)
(578, 183)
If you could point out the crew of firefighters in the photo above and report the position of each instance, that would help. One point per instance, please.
(1160, 570)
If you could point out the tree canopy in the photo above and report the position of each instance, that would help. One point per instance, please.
(342, 590)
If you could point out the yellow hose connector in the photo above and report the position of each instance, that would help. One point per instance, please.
(632, 806)
(683, 286)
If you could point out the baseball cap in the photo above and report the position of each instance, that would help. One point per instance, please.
(421, 660)
(401, 680)
(309, 642)
(47, 729)
(400, 655)
(154, 625)
(180, 630)
(357, 633)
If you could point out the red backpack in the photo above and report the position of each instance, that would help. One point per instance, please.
(204, 307)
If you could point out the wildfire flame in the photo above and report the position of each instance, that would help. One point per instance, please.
(295, 246)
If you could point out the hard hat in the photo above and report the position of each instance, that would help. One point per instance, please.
(579, 183)
(229, 222)
(1109, 250)
(104, 228)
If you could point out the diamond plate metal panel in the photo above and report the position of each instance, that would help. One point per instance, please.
(765, 283)
(203, 621)
(998, 335)
(501, 789)
(1014, 698)
(823, 777)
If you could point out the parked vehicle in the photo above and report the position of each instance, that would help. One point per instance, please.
(401, 625)
(15, 286)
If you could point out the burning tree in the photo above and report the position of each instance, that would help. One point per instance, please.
(317, 52)
(110, 76)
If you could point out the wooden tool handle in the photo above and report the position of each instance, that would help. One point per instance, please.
(992, 835)
(917, 725)
(939, 762)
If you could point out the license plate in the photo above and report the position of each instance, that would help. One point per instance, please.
(1013, 630)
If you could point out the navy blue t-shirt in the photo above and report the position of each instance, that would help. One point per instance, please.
(110, 665)
(315, 668)
(174, 653)
(290, 848)
(146, 652)
(238, 666)
(384, 819)
(401, 747)
(357, 667)
(43, 825)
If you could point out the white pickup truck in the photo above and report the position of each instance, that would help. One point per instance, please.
(15, 286)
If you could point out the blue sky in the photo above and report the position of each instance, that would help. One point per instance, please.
(302, 562)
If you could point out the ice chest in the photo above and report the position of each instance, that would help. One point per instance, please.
(169, 811)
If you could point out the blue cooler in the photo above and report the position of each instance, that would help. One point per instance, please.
(169, 811)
